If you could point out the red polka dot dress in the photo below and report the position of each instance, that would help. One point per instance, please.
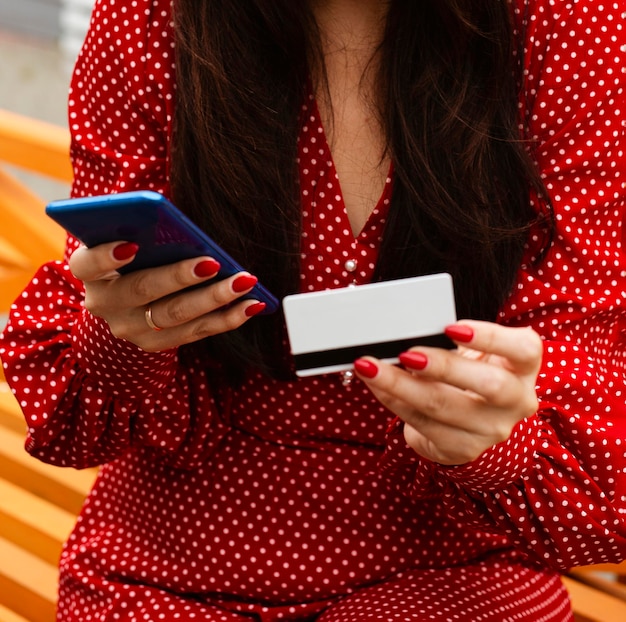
(301, 501)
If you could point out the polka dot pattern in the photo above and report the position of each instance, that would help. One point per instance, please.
(300, 500)
(332, 255)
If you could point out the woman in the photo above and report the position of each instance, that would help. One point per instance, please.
(326, 143)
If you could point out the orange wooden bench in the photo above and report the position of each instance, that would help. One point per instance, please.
(38, 502)
(38, 507)
(598, 592)
(27, 237)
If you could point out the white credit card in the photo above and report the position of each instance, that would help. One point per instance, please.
(329, 330)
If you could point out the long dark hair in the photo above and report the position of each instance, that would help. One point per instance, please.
(449, 79)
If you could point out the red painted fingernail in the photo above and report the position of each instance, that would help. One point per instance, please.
(367, 369)
(459, 332)
(244, 282)
(255, 309)
(414, 360)
(125, 251)
(207, 267)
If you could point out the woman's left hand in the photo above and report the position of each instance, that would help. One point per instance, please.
(458, 403)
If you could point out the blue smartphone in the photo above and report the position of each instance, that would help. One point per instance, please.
(164, 234)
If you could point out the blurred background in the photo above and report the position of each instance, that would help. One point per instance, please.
(39, 41)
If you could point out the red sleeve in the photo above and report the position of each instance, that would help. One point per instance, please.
(121, 99)
(87, 396)
(557, 487)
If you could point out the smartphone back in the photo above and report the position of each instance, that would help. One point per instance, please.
(163, 233)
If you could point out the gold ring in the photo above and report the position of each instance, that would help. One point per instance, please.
(150, 321)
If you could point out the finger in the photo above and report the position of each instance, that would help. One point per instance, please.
(496, 385)
(200, 328)
(144, 286)
(416, 400)
(520, 346)
(102, 261)
(443, 423)
(107, 298)
(181, 308)
(422, 401)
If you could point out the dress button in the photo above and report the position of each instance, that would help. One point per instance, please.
(350, 265)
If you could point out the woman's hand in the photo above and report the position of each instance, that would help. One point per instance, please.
(457, 404)
(129, 303)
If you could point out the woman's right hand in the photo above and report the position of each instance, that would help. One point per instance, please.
(126, 301)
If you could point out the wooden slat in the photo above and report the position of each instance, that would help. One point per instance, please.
(28, 585)
(617, 569)
(6, 615)
(605, 577)
(11, 258)
(64, 487)
(29, 238)
(35, 145)
(23, 215)
(592, 605)
(33, 524)
(11, 416)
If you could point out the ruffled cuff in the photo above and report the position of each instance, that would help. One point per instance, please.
(119, 367)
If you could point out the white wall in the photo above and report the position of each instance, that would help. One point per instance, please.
(74, 21)
(62, 21)
(33, 17)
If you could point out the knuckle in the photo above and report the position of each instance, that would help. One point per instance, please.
(90, 303)
(413, 438)
(222, 295)
(232, 320)
(140, 286)
(388, 384)
(121, 331)
(436, 401)
(198, 331)
(98, 312)
(443, 366)
(458, 457)
(462, 453)
(493, 385)
(95, 301)
(77, 261)
(181, 275)
(530, 405)
(490, 341)
(176, 312)
(501, 431)
(531, 347)
(415, 421)
(221, 322)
